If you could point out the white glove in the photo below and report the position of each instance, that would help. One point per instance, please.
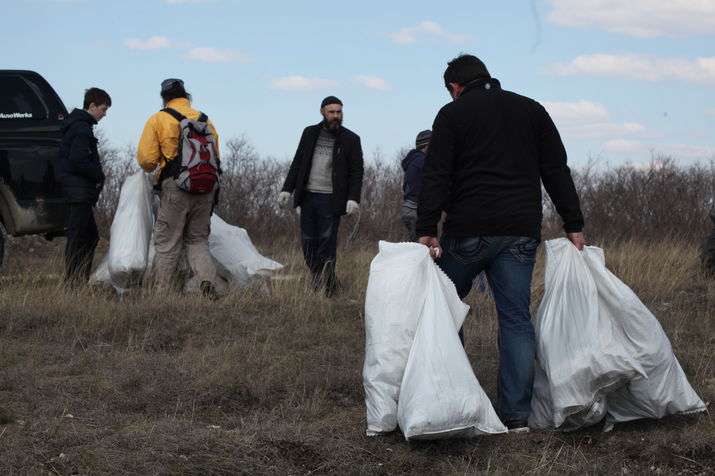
(352, 207)
(283, 198)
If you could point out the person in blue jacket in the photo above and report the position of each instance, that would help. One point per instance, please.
(82, 181)
(412, 165)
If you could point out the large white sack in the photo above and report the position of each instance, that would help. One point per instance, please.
(235, 254)
(131, 232)
(440, 396)
(393, 305)
(666, 390)
(580, 355)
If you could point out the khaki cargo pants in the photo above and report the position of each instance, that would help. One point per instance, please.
(184, 219)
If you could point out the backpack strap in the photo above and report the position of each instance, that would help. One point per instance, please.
(174, 113)
(180, 117)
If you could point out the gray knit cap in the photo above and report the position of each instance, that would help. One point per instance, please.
(423, 138)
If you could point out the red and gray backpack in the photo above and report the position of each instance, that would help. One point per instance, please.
(196, 168)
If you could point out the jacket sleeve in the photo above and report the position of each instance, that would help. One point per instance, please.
(289, 184)
(413, 174)
(556, 175)
(213, 130)
(355, 171)
(436, 175)
(80, 154)
(149, 148)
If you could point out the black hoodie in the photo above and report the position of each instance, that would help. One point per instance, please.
(81, 169)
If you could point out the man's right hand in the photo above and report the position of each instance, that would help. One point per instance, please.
(431, 242)
(577, 239)
(283, 198)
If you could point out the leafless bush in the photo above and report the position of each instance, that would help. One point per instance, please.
(660, 201)
(117, 165)
(655, 202)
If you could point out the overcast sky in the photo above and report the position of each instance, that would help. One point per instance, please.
(623, 80)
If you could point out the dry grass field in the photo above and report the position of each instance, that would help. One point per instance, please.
(268, 381)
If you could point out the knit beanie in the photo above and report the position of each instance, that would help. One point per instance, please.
(423, 139)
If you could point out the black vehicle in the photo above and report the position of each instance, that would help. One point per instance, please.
(31, 115)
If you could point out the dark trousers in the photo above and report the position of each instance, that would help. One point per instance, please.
(82, 239)
(319, 238)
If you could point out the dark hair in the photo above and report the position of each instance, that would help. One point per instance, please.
(175, 91)
(96, 96)
(464, 69)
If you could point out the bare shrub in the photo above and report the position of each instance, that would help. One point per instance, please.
(660, 201)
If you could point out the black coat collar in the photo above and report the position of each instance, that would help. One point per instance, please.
(482, 83)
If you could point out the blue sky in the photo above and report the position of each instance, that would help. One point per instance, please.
(624, 81)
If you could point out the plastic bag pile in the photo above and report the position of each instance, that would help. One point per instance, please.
(416, 373)
(131, 250)
(600, 351)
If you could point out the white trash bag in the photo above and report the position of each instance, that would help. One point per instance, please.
(393, 305)
(580, 356)
(666, 390)
(130, 233)
(440, 397)
(235, 255)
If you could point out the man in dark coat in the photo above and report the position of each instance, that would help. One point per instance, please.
(489, 154)
(82, 181)
(325, 179)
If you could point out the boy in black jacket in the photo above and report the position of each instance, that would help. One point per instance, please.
(82, 181)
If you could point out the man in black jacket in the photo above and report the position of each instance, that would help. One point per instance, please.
(489, 153)
(82, 181)
(325, 179)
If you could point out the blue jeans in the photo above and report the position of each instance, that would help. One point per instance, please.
(319, 238)
(508, 262)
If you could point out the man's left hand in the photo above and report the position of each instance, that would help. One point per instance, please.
(352, 207)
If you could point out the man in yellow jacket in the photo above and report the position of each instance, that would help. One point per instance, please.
(184, 218)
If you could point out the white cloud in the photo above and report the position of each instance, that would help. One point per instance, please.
(676, 151)
(602, 129)
(639, 67)
(622, 145)
(372, 82)
(300, 83)
(710, 112)
(684, 151)
(639, 18)
(153, 43)
(216, 55)
(410, 34)
(582, 111)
